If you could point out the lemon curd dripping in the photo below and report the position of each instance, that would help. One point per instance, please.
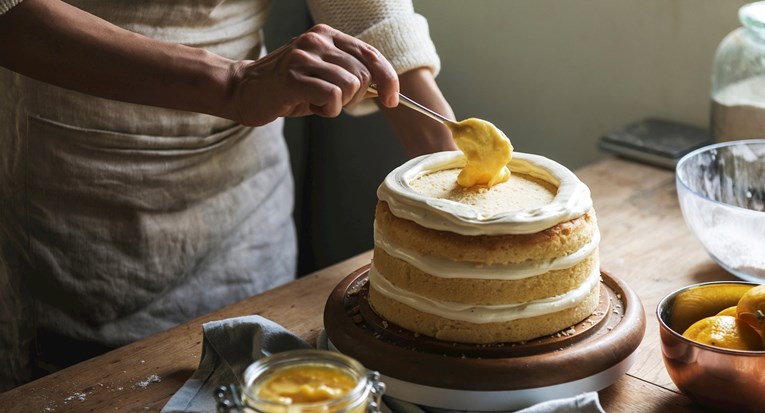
(306, 384)
(487, 150)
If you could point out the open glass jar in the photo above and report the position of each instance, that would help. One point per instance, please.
(738, 79)
(304, 381)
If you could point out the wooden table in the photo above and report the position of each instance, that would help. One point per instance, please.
(645, 242)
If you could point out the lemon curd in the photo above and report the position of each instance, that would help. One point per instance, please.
(310, 381)
(487, 151)
(306, 384)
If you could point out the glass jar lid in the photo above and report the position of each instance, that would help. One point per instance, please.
(752, 16)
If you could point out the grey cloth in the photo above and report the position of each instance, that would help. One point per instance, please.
(229, 346)
(583, 403)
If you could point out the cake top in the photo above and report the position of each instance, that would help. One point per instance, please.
(518, 192)
(430, 201)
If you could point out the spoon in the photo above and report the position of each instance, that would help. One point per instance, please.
(420, 108)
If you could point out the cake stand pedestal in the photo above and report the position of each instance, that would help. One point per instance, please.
(588, 356)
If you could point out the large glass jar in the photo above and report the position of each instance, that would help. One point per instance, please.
(738, 79)
(304, 381)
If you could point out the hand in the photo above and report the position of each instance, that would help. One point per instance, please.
(319, 72)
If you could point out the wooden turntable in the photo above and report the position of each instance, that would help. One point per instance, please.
(588, 356)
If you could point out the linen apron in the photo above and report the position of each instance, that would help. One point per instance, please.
(120, 220)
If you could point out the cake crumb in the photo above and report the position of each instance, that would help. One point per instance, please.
(385, 324)
(145, 383)
(75, 396)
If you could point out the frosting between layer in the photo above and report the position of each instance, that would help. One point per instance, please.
(445, 268)
(571, 201)
(481, 314)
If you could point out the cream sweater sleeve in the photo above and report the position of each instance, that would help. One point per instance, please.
(391, 26)
(6, 5)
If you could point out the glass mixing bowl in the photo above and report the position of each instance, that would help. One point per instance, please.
(721, 189)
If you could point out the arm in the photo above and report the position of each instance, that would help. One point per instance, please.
(418, 133)
(402, 36)
(318, 72)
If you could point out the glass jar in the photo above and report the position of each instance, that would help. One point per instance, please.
(738, 79)
(318, 375)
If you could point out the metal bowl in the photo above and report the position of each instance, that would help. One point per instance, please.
(733, 380)
(721, 189)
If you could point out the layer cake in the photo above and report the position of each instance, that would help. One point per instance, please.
(508, 263)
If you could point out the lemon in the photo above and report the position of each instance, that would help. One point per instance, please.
(703, 301)
(731, 311)
(725, 332)
(751, 308)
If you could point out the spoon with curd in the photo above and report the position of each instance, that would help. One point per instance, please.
(487, 150)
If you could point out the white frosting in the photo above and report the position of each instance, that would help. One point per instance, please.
(571, 201)
(481, 314)
(444, 268)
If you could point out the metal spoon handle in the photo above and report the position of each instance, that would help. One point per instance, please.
(418, 107)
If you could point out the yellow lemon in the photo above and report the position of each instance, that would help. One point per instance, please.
(751, 308)
(696, 303)
(731, 311)
(726, 332)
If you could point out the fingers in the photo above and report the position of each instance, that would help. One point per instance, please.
(349, 56)
(344, 72)
(318, 72)
(323, 98)
(321, 87)
(381, 71)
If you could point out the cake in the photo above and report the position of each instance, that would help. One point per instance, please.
(509, 263)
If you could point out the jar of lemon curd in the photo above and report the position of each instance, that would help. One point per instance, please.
(306, 381)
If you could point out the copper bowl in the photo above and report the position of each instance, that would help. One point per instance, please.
(732, 380)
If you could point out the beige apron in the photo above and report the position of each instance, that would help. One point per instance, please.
(120, 220)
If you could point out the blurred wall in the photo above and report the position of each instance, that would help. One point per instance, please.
(556, 74)
(553, 74)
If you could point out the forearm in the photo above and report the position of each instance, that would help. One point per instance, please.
(56, 43)
(420, 134)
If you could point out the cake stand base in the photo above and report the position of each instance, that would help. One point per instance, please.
(588, 356)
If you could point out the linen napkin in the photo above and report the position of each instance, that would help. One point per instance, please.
(229, 346)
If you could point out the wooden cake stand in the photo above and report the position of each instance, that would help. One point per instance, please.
(588, 356)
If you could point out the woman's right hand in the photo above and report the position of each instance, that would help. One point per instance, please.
(319, 72)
